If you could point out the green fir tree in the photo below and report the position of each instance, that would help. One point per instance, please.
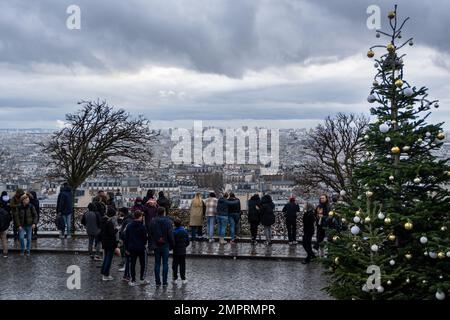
(399, 223)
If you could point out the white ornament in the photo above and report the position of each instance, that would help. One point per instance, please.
(371, 98)
(407, 280)
(366, 137)
(384, 128)
(387, 139)
(356, 219)
(343, 193)
(406, 148)
(374, 248)
(389, 282)
(392, 262)
(391, 178)
(423, 240)
(419, 140)
(408, 92)
(417, 180)
(440, 295)
(448, 254)
(355, 230)
(381, 216)
(428, 134)
(433, 255)
(380, 289)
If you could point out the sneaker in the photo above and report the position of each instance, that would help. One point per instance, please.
(294, 243)
(126, 279)
(158, 285)
(5, 255)
(122, 269)
(306, 261)
(144, 282)
(107, 278)
(69, 237)
(174, 281)
(184, 281)
(165, 284)
(211, 240)
(22, 253)
(132, 283)
(61, 236)
(97, 258)
(233, 242)
(222, 242)
(28, 253)
(290, 243)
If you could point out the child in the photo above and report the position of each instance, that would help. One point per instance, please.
(134, 241)
(181, 238)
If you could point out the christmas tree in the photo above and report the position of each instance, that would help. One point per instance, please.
(395, 243)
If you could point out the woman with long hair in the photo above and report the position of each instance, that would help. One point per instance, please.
(321, 221)
(196, 213)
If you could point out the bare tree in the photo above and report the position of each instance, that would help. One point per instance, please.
(333, 150)
(98, 139)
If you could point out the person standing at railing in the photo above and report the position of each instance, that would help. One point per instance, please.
(25, 218)
(290, 211)
(14, 203)
(163, 202)
(267, 217)
(109, 243)
(322, 211)
(254, 216)
(309, 219)
(196, 214)
(35, 202)
(92, 220)
(222, 217)
(64, 208)
(5, 222)
(211, 212)
(234, 216)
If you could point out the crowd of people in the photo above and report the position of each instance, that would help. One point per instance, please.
(148, 226)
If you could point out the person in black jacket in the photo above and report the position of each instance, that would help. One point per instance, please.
(161, 240)
(64, 208)
(5, 222)
(35, 202)
(163, 202)
(109, 243)
(181, 241)
(125, 218)
(309, 219)
(234, 216)
(254, 216)
(322, 211)
(134, 242)
(290, 214)
(267, 217)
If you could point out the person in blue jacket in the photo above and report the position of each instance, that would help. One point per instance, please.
(181, 241)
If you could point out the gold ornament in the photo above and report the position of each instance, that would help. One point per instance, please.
(335, 238)
(331, 213)
(441, 136)
(395, 150)
(370, 53)
(336, 260)
(408, 225)
(344, 220)
(391, 14)
(391, 237)
(367, 220)
(390, 47)
(358, 213)
(399, 83)
(387, 220)
(408, 256)
(448, 173)
(441, 255)
(369, 194)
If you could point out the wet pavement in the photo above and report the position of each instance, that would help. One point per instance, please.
(43, 276)
(200, 249)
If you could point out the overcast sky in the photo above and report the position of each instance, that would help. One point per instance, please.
(285, 63)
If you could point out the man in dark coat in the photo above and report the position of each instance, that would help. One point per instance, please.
(254, 215)
(5, 222)
(309, 220)
(64, 208)
(234, 216)
(35, 202)
(109, 242)
(163, 202)
(290, 214)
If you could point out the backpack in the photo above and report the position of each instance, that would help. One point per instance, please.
(161, 241)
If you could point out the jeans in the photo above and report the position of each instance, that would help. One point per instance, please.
(268, 233)
(67, 223)
(292, 230)
(211, 222)
(223, 222)
(4, 242)
(179, 260)
(93, 242)
(196, 230)
(254, 229)
(234, 224)
(161, 255)
(134, 255)
(22, 231)
(107, 261)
